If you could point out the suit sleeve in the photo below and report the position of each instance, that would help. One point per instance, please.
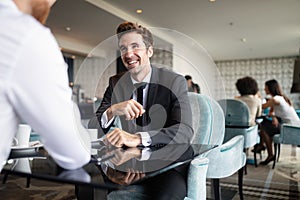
(178, 127)
(105, 104)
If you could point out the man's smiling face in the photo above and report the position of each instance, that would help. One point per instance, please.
(134, 54)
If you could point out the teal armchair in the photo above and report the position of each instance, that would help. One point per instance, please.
(289, 134)
(237, 123)
(224, 160)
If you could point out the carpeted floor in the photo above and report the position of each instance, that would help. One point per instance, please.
(15, 189)
(260, 183)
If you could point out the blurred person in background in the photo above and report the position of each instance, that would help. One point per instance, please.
(192, 87)
(248, 89)
(189, 83)
(281, 111)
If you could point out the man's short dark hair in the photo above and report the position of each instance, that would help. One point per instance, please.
(131, 27)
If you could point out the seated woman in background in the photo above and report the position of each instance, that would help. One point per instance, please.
(248, 90)
(281, 111)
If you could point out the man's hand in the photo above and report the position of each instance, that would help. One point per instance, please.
(118, 138)
(121, 156)
(124, 178)
(131, 109)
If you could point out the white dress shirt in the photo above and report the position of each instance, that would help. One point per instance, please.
(146, 140)
(34, 89)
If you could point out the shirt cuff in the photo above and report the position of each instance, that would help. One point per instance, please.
(146, 140)
(104, 120)
(146, 153)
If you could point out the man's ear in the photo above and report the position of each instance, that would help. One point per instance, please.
(150, 51)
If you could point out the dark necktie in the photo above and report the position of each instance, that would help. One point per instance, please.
(140, 121)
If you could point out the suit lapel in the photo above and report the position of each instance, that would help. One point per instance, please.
(122, 92)
(124, 88)
(153, 87)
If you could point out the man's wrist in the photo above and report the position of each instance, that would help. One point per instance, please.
(145, 138)
(137, 140)
(109, 113)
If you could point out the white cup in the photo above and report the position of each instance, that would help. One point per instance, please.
(22, 136)
(22, 165)
(93, 133)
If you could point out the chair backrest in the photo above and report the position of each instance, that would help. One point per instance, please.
(208, 120)
(290, 134)
(236, 112)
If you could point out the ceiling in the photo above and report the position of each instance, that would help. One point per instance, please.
(270, 28)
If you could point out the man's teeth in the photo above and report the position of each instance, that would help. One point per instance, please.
(132, 62)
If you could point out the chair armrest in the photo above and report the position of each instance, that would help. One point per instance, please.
(276, 139)
(233, 143)
(291, 125)
(250, 134)
(236, 126)
(196, 182)
(290, 134)
(226, 159)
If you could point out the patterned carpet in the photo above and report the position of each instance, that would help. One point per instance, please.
(15, 189)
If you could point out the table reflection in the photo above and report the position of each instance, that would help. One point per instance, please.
(126, 166)
(113, 169)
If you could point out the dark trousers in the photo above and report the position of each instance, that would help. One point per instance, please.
(170, 185)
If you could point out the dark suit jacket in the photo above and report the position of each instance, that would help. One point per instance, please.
(168, 108)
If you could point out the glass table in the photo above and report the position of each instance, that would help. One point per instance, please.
(110, 168)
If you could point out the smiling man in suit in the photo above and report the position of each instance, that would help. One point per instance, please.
(162, 115)
(153, 108)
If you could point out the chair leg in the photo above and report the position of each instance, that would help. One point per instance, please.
(275, 154)
(216, 189)
(278, 152)
(255, 159)
(4, 178)
(245, 151)
(28, 182)
(241, 183)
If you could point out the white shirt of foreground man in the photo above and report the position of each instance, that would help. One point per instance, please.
(34, 88)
